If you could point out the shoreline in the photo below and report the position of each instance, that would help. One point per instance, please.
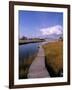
(29, 41)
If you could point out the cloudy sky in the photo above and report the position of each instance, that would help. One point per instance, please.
(36, 23)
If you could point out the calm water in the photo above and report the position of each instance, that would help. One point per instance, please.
(27, 50)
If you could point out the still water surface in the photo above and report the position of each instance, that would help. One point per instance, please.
(27, 50)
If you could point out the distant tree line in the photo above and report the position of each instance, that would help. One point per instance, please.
(25, 38)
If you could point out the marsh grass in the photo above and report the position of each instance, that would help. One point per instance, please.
(54, 57)
(24, 66)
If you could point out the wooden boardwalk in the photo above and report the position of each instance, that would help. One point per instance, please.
(37, 68)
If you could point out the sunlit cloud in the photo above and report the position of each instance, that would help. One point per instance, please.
(57, 29)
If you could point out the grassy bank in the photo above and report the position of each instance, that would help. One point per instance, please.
(30, 41)
(54, 57)
(24, 66)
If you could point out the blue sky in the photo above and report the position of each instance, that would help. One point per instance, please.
(36, 23)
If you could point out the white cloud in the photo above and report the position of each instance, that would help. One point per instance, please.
(52, 30)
